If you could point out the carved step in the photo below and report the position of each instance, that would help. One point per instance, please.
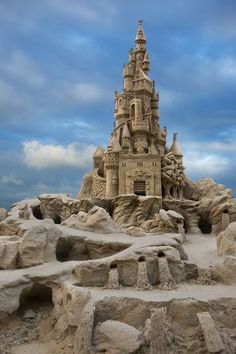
(213, 340)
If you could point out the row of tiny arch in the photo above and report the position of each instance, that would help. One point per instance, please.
(142, 281)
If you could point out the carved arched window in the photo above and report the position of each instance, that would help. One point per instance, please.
(132, 110)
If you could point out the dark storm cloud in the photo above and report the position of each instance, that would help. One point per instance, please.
(61, 61)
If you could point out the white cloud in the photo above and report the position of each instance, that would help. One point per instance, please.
(10, 180)
(86, 92)
(203, 164)
(209, 158)
(229, 147)
(39, 156)
(227, 66)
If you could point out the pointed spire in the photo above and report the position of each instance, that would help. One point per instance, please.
(99, 152)
(175, 148)
(126, 133)
(154, 93)
(146, 58)
(153, 149)
(140, 38)
(116, 145)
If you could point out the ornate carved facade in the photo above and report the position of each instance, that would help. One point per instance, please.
(137, 159)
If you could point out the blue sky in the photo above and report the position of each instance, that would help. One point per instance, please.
(61, 61)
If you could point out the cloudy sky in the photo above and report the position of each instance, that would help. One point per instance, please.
(61, 60)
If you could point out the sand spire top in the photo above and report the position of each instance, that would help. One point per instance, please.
(140, 38)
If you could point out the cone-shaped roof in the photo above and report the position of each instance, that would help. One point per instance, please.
(99, 152)
(153, 149)
(146, 58)
(154, 93)
(140, 36)
(126, 133)
(116, 145)
(175, 148)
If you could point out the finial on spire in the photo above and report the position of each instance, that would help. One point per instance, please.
(140, 38)
(175, 148)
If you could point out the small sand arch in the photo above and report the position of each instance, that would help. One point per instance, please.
(36, 210)
(204, 225)
(161, 254)
(141, 259)
(36, 296)
(57, 219)
(113, 265)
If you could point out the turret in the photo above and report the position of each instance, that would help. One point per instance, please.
(154, 108)
(112, 166)
(140, 126)
(128, 75)
(146, 63)
(131, 56)
(125, 139)
(98, 158)
(175, 148)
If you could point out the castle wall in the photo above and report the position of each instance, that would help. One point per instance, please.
(140, 168)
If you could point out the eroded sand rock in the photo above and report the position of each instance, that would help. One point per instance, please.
(226, 241)
(227, 270)
(96, 220)
(115, 337)
(3, 214)
(132, 210)
(38, 245)
(215, 200)
(8, 251)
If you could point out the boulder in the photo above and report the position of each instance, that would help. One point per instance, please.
(135, 231)
(8, 251)
(226, 241)
(24, 209)
(116, 337)
(8, 228)
(173, 214)
(188, 209)
(184, 311)
(69, 301)
(164, 222)
(164, 215)
(227, 271)
(3, 214)
(92, 274)
(38, 245)
(96, 220)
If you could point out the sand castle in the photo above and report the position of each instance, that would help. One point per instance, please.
(143, 261)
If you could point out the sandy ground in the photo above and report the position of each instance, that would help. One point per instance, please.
(184, 290)
(32, 348)
(201, 250)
